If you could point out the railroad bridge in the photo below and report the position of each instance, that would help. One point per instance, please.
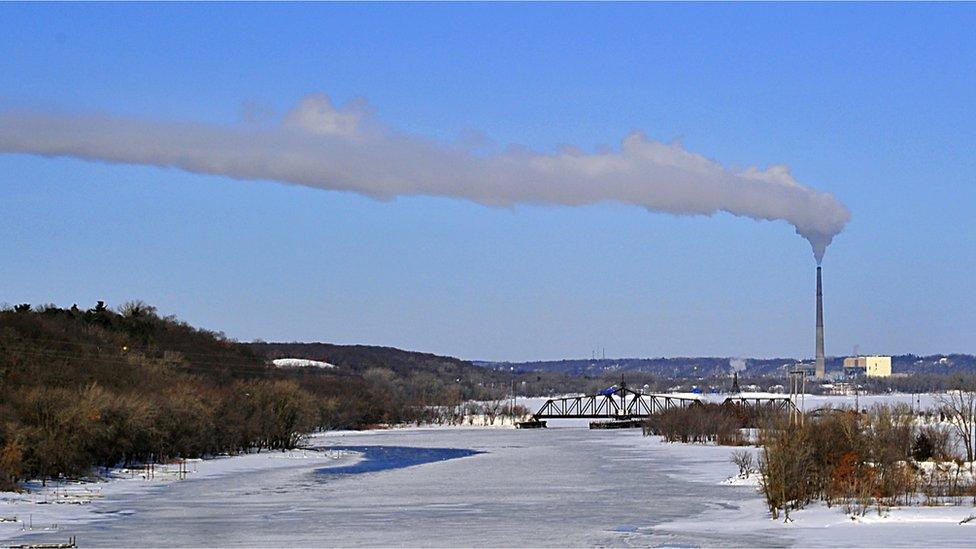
(621, 403)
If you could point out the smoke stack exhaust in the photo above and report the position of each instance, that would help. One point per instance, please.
(820, 368)
(346, 148)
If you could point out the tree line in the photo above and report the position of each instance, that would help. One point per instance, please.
(869, 460)
(860, 459)
(722, 424)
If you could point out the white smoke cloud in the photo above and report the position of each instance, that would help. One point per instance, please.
(320, 145)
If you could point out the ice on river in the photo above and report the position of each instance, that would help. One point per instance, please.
(484, 487)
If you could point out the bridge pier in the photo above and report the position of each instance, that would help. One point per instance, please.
(619, 424)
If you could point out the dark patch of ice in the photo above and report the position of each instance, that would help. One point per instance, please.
(384, 458)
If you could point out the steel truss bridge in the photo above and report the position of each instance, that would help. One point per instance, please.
(625, 404)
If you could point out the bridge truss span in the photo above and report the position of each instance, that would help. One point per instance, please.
(615, 403)
(621, 403)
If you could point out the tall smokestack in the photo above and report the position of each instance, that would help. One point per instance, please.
(820, 368)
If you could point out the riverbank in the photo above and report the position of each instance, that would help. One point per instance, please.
(61, 506)
(820, 526)
(814, 526)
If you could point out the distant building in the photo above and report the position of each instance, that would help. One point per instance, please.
(843, 388)
(871, 366)
(835, 377)
(808, 368)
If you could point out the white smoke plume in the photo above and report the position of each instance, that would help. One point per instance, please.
(737, 364)
(346, 148)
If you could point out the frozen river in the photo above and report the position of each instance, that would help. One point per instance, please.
(436, 487)
(480, 487)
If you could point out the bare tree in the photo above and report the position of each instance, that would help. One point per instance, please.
(745, 461)
(959, 407)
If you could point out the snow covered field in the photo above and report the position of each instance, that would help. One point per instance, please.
(300, 363)
(464, 486)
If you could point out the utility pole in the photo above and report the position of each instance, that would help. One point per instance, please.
(623, 395)
(797, 380)
(803, 400)
(514, 397)
(972, 437)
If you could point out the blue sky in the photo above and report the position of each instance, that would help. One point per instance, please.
(872, 103)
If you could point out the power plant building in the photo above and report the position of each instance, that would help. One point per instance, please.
(871, 366)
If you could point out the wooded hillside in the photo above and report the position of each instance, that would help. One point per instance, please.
(81, 388)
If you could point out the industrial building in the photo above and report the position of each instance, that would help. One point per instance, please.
(871, 366)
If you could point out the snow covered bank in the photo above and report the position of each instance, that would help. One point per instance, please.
(61, 505)
(820, 526)
(729, 514)
(300, 363)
